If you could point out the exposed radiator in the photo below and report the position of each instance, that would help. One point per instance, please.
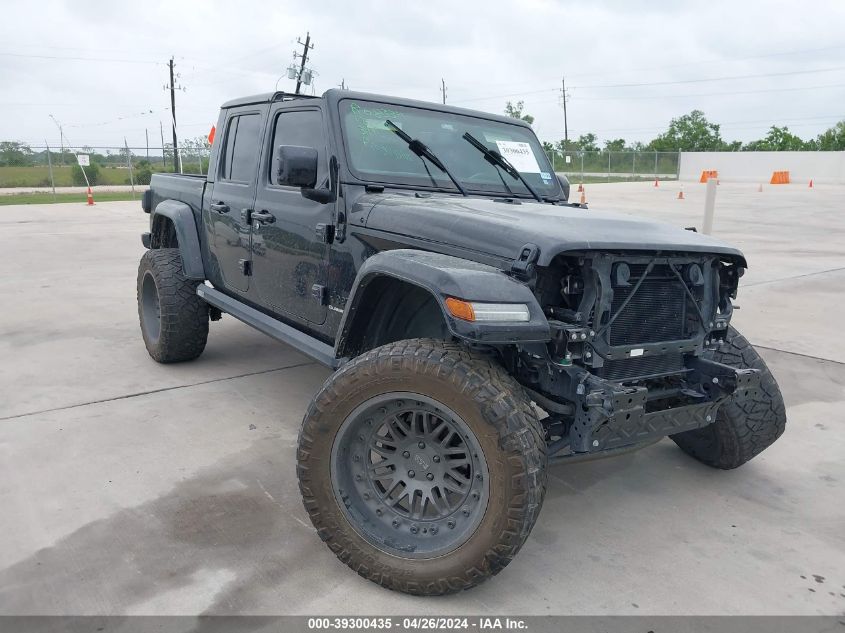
(656, 312)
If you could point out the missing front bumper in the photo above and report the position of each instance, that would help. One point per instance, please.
(610, 416)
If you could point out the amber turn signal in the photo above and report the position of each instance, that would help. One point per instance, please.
(460, 309)
(488, 312)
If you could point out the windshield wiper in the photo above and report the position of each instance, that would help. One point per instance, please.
(497, 160)
(421, 149)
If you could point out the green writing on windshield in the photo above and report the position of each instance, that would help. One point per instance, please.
(369, 123)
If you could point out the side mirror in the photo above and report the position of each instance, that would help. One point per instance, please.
(564, 184)
(296, 166)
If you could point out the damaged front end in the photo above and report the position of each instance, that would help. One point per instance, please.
(628, 360)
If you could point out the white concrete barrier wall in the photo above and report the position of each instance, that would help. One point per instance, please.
(823, 167)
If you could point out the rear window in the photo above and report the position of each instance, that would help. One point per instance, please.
(240, 154)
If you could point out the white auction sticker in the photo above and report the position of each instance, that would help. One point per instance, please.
(520, 155)
(83, 160)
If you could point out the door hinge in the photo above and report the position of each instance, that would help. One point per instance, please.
(246, 267)
(523, 266)
(325, 233)
(320, 293)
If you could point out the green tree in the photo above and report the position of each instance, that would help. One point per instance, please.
(78, 178)
(567, 146)
(588, 142)
(515, 111)
(616, 145)
(779, 139)
(143, 172)
(690, 132)
(15, 154)
(832, 140)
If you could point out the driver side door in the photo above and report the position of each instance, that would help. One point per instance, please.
(290, 246)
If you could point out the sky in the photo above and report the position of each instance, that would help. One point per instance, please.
(630, 66)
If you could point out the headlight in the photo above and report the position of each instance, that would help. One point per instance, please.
(488, 312)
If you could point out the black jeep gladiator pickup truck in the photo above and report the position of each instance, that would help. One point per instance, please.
(480, 325)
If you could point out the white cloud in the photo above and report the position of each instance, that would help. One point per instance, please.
(488, 52)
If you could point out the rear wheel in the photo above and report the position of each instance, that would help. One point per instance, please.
(174, 320)
(422, 466)
(747, 424)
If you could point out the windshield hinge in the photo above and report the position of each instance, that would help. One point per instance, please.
(523, 266)
(325, 233)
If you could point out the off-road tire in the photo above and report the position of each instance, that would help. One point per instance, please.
(181, 330)
(746, 424)
(497, 411)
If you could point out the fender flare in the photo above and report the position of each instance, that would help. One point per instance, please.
(446, 276)
(182, 217)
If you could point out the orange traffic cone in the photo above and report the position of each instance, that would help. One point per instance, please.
(583, 196)
(681, 193)
(580, 187)
(90, 198)
(810, 186)
(760, 188)
(656, 183)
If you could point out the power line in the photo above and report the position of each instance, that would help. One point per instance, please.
(630, 71)
(82, 59)
(726, 78)
(120, 118)
(706, 94)
(710, 62)
(655, 83)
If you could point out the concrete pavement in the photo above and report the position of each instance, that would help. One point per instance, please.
(128, 487)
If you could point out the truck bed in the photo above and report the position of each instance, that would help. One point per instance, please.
(187, 188)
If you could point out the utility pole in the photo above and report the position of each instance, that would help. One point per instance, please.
(564, 98)
(443, 89)
(61, 140)
(305, 48)
(129, 166)
(147, 135)
(343, 84)
(50, 167)
(173, 116)
(161, 131)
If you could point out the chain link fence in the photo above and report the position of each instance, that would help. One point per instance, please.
(606, 166)
(43, 167)
(116, 165)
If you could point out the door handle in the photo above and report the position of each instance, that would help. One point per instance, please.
(265, 217)
(220, 207)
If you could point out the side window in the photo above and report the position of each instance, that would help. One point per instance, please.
(240, 155)
(303, 128)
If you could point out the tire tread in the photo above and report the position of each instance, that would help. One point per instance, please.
(504, 406)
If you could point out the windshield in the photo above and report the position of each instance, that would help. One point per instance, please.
(375, 153)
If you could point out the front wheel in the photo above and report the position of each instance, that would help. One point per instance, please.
(422, 466)
(747, 423)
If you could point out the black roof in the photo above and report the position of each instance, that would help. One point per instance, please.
(336, 94)
(267, 97)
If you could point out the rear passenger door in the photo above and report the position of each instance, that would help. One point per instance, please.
(233, 194)
(290, 256)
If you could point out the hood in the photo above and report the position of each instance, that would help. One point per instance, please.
(501, 229)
